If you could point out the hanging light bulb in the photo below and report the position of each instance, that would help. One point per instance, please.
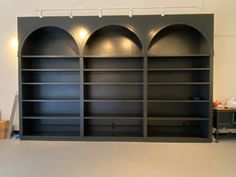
(162, 11)
(130, 12)
(100, 13)
(40, 13)
(70, 13)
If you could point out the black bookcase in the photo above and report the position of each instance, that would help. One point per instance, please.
(145, 78)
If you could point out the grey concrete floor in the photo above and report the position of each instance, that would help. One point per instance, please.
(117, 159)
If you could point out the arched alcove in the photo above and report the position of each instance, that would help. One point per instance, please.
(114, 75)
(113, 40)
(50, 88)
(50, 40)
(178, 83)
(178, 40)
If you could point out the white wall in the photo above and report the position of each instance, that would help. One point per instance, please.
(225, 38)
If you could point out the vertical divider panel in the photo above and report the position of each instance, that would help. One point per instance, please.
(145, 67)
(81, 96)
(20, 96)
(210, 96)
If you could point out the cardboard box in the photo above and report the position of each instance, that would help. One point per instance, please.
(3, 134)
(4, 124)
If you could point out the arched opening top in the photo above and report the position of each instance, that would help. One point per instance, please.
(178, 40)
(50, 40)
(113, 40)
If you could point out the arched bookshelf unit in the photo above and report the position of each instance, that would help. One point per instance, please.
(50, 84)
(178, 84)
(113, 83)
(145, 78)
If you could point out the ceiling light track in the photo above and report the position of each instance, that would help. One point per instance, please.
(130, 10)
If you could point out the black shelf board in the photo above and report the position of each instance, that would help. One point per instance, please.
(53, 116)
(53, 70)
(49, 83)
(41, 137)
(180, 69)
(50, 56)
(113, 117)
(179, 101)
(178, 118)
(178, 83)
(113, 83)
(165, 138)
(107, 100)
(84, 138)
(110, 70)
(54, 133)
(178, 134)
(118, 138)
(51, 100)
(113, 56)
(112, 138)
(179, 56)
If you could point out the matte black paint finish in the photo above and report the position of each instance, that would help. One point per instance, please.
(145, 78)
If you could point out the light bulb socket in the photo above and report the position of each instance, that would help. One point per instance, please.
(162, 11)
(70, 13)
(40, 13)
(130, 12)
(100, 13)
